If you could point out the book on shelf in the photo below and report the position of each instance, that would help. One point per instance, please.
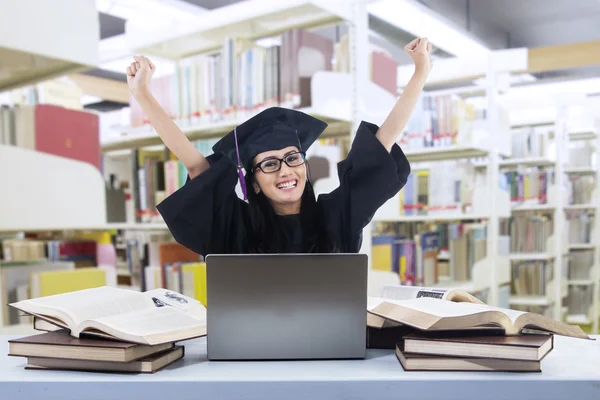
(417, 254)
(429, 314)
(528, 233)
(529, 186)
(581, 189)
(531, 141)
(153, 317)
(531, 278)
(52, 129)
(444, 121)
(149, 365)
(434, 362)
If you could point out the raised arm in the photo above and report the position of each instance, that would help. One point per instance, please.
(419, 50)
(139, 74)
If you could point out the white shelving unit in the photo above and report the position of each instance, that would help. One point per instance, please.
(592, 317)
(51, 43)
(247, 21)
(49, 192)
(147, 136)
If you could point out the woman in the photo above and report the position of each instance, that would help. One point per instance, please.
(282, 214)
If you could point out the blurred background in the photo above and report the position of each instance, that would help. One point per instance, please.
(503, 143)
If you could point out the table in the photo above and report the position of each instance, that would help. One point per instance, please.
(570, 371)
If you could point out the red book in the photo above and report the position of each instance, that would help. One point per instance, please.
(68, 133)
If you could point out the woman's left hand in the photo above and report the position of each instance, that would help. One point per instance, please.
(420, 52)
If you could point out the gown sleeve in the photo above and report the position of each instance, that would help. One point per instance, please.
(201, 215)
(369, 176)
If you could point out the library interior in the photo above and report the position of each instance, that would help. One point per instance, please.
(468, 264)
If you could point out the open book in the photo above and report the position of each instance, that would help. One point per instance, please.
(154, 317)
(429, 314)
(401, 292)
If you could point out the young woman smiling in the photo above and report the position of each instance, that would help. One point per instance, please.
(282, 214)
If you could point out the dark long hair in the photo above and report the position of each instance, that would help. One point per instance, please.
(267, 231)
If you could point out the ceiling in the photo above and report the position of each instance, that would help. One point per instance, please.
(496, 23)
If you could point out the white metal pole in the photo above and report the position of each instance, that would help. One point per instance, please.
(494, 132)
(559, 216)
(359, 71)
(595, 273)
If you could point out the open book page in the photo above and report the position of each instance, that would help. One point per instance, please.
(179, 301)
(151, 326)
(431, 314)
(401, 292)
(444, 309)
(87, 304)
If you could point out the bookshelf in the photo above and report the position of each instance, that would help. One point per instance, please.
(585, 287)
(67, 44)
(571, 281)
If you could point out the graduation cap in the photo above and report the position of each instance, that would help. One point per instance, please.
(272, 129)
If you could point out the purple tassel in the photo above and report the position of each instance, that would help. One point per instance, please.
(239, 166)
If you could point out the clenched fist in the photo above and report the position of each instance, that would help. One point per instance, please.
(139, 74)
(420, 52)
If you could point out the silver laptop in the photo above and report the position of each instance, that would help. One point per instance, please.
(286, 306)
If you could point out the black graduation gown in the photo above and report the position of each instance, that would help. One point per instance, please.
(208, 217)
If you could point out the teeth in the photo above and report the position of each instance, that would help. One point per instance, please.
(287, 185)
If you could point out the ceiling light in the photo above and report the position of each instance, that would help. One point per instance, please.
(423, 22)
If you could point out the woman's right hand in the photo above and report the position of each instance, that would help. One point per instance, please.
(139, 74)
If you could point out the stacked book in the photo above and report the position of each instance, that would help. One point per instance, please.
(450, 330)
(109, 330)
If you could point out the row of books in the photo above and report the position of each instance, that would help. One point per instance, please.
(238, 82)
(529, 185)
(52, 129)
(531, 278)
(82, 252)
(530, 142)
(580, 227)
(383, 69)
(441, 120)
(446, 251)
(528, 233)
(445, 187)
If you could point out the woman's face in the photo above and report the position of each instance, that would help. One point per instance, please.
(283, 187)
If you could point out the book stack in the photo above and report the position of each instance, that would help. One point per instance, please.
(109, 329)
(450, 330)
(463, 351)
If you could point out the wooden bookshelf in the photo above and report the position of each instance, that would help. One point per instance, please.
(68, 45)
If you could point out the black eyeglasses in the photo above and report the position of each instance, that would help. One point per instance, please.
(272, 165)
